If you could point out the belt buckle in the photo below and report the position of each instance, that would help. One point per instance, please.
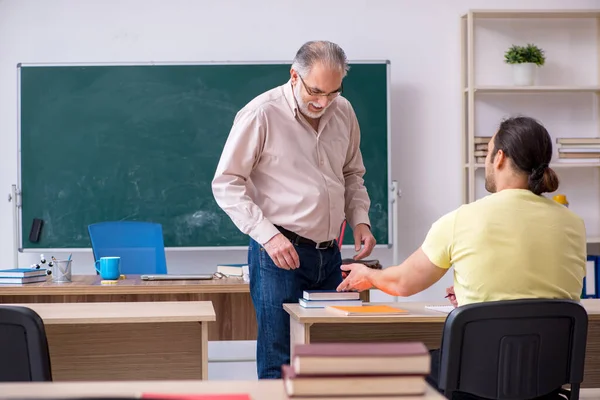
(322, 245)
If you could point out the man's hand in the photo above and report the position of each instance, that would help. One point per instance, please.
(282, 252)
(357, 278)
(451, 296)
(363, 236)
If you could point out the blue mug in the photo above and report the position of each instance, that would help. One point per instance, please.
(109, 268)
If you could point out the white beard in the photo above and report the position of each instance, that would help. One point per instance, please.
(304, 106)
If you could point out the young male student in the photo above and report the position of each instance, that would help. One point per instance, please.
(513, 244)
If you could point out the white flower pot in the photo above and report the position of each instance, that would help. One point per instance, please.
(524, 74)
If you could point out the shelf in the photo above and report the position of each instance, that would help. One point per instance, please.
(486, 100)
(593, 239)
(535, 14)
(556, 165)
(536, 89)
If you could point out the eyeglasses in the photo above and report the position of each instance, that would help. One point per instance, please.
(318, 93)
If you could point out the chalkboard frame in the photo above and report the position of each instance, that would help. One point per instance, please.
(19, 229)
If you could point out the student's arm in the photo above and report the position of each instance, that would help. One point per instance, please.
(422, 269)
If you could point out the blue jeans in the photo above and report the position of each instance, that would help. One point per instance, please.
(271, 286)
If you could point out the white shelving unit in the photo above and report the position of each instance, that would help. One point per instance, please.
(471, 88)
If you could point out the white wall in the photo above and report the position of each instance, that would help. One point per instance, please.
(420, 37)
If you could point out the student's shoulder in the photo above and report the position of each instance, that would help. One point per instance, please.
(484, 202)
(564, 212)
(475, 207)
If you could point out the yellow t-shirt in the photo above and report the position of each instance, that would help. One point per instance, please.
(510, 245)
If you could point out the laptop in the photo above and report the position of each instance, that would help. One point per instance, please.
(176, 277)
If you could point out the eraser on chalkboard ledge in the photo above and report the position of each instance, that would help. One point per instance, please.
(36, 230)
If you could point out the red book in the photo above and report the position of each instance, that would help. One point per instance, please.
(361, 358)
(339, 385)
(361, 349)
(172, 396)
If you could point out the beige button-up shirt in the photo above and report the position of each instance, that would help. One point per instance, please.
(275, 169)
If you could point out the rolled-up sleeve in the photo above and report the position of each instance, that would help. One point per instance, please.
(356, 196)
(240, 154)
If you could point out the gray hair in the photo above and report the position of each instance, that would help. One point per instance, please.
(321, 51)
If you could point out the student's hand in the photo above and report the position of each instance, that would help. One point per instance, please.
(451, 296)
(356, 278)
(282, 252)
(363, 236)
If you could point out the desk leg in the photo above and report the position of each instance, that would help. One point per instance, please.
(204, 349)
(591, 377)
(299, 334)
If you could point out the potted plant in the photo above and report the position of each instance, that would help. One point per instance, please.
(524, 61)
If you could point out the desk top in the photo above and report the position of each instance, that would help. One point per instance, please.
(90, 285)
(416, 313)
(117, 312)
(259, 390)
(264, 390)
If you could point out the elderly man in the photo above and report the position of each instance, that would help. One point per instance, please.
(291, 171)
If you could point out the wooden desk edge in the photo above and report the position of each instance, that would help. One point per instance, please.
(258, 389)
(122, 312)
(128, 320)
(95, 290)
(90, 285)
(334, 318)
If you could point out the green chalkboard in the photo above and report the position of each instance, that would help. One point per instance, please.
(141, 142)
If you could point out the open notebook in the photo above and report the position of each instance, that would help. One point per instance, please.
(444, 309)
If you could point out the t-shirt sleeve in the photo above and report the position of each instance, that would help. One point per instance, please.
(438, 242)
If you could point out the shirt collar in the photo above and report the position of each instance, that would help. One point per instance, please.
(288, 93)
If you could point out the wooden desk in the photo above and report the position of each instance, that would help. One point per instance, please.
(127, 341)
(420, 324)
(270, 389)
(230, 297)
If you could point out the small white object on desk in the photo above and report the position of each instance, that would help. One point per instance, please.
(444, 309)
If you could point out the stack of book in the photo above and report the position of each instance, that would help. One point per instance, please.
(22, 275)
(578, 149)
(352, 370)
(481, 148)
(325, 298)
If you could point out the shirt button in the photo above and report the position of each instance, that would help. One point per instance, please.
(322, 162)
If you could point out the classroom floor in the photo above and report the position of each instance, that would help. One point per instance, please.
(224, 360)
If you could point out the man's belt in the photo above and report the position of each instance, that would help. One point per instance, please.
(297, 239)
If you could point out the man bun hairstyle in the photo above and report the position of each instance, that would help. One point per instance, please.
(529, 145)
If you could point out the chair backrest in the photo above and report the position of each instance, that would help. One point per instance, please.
(139, 244)
(515, 349)
(24, 355)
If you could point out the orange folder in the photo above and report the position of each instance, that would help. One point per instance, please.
(367, 310)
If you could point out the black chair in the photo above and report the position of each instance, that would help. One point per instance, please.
(515, 349)
(23, 346)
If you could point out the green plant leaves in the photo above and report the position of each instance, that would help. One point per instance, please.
(525, 54)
